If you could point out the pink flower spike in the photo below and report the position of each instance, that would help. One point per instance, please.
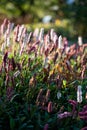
(50, 108)
(72, 102)
(64, 115)
(84, 128)
(84, 108)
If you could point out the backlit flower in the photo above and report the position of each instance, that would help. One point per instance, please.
(79, 94)
(50, 107)
(64, 115)
(59, 95)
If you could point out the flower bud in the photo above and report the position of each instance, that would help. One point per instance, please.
(79, 94)
(59, 95)
(41, 35)
(79, 40)
(52, 34)
(47, 95)
(50, 108)
(60, 42)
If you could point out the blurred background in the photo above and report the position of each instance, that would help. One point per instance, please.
(67, 17)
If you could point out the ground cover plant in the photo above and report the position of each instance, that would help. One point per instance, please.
(43, 80)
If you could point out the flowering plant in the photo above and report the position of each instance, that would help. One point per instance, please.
(43, 80)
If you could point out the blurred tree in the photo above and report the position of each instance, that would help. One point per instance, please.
(16, 8)
(76, 11)
(80, 16)
(34, 10)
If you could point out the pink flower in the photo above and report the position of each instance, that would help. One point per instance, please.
(64, 115)
(74, 104)
(47, 95)
(30, 37)
(5, 60)
(84, 108)
(3, 26)
(84, 128)
(46, 127)
(9, 92)
(83, 113)
(50, 107)
(16, 31)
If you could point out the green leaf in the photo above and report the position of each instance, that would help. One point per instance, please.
(64, 83)
(16, 95)
(23, 126)
(23, 118)
(30, 126)
(12, 123)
